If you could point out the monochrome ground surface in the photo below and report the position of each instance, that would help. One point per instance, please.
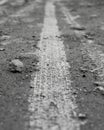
(60, 44)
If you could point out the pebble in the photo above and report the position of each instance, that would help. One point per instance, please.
(82, 69)
(16, 66)
(90, 5)
(31, 86)
(37, 68)
(100, 89)
(2, 49)
(5, 37)
(82, 116)
(93, 16)
(99, 83)
(79, 28)
(89, 37)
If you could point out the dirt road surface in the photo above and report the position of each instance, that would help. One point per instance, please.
(51, 65)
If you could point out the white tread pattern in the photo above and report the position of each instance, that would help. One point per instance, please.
(51, 103)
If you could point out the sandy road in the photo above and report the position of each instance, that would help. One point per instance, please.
(60, 93)
(51, 102)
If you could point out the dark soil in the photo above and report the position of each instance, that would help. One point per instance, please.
(15, 87)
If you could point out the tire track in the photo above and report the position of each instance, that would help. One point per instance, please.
(92, 50)
(71, 20)
(51, 103)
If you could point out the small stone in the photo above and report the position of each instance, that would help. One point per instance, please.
(79, 28)
(75, 93)
(21, 83)
(90, 5)
(31, 86)
(37, 68)
(89, 36)
(23, 77)
(83, 75)
(95, 69)
(42, 96)
(82, 116)
(90, 41)
(34, 64)
(2, 49)
(16, 66)
(52, 104)
(33, 36)
(100, 89)
(94, 16)
(5, 37)
(76, 17)
(27, 76)
(99, 83)
(82, 69)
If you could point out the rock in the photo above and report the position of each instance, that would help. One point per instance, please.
(31, 86)
(5, 37)
(90, 41)
(96, 69)
(76, 17)
(90, 4)
(78, 28)
(89, 36)
(99, 83)
(16, 66)
(2, 49)
(37, 68)
(83, 69)
(53, 105)
(93, 16)
(100, 89)
(82, 116)
(75, 93)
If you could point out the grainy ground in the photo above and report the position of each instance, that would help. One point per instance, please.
(61, 46)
